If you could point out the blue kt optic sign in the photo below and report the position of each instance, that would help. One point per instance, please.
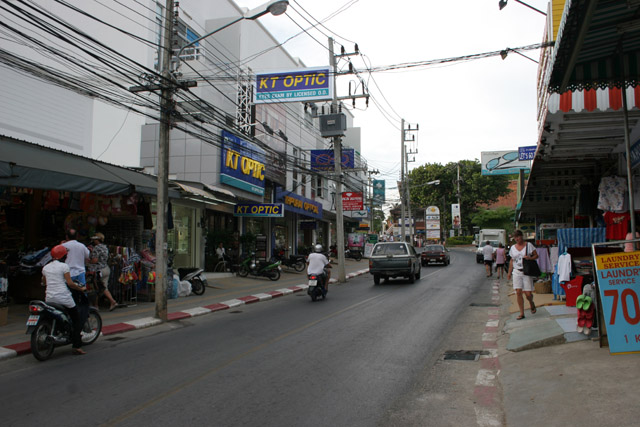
(309, 84)
(242, 164)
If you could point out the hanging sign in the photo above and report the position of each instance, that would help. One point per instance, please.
(619, 281)
(352, 201)
(378, 192)
(307, 84)
(455, 216)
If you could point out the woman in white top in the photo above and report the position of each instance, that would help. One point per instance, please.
(521, 283)
(56, 277)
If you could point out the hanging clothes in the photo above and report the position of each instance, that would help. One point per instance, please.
(564, 267)
(555, 285)
(553, 255)
(612, 190)
(617, 225)
(544, 262)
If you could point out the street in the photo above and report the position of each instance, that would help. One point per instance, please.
(349, 360)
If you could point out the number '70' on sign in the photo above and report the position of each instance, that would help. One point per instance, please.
(623, 301)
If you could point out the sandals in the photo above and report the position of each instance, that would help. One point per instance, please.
(113, 306)
(78, 352)
(533, 309)
(520, 317)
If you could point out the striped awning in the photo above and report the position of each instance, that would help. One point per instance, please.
(609, 99)
(580, 237)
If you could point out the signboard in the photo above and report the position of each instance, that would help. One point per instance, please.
(455, 216)
(433, 234)
(298, 204)
(527, 153)
(352, 201)
(308, 84)
(355, 239)
(433, 225)
(242, 164)
(619, 281)
(323, 160)
(372, 238)
(263, 210)
(432, 210)
(378, 192)
(502, 163)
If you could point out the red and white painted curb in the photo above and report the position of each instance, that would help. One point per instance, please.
(486, 391)
(19, 349)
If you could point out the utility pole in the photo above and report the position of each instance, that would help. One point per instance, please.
(402, 191)
(406, 156)
(459, 205)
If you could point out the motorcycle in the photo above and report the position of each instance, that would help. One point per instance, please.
(316, 287)
(353, 253)
(194, 276)
(297, 262)
(50, 326)
(270, 269)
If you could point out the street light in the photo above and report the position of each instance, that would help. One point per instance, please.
(503, 3)
(275, 7)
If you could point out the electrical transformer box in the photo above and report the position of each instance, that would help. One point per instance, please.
(333, 124)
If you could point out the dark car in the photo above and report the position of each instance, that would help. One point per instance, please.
(394, 259)
(435, 254)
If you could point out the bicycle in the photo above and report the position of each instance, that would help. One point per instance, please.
(222, 267)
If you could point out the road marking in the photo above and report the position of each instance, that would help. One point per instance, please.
(151, 402)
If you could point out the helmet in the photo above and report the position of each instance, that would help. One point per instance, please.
(58, 252)
(318, 248)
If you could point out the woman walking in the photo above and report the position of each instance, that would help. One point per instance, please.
(500, 260)
(522, 283)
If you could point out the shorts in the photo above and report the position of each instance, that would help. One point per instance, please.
(104, 278)
(81, 278)
(520, 281)
(488, 262)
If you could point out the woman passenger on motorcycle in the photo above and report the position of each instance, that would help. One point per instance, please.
(56, 277)
(317, 263)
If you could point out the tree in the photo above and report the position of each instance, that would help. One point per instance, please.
(475, 189)
(501, 217)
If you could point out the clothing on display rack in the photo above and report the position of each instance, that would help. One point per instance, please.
(564, 267)
(553, 255)
(544, 262)
(612, 190)
(617, 225)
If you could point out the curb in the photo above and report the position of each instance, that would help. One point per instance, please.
(14, 350)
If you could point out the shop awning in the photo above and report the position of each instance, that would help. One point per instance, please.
(23, 164)
(197, 194)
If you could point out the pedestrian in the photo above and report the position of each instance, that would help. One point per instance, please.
(57, 279)
(521, 283)
(500, 260)
(98, 265)
(77, 256)
(487, 254)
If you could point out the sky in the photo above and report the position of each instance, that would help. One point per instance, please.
(462, 108)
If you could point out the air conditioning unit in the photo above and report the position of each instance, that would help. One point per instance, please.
(333, 125)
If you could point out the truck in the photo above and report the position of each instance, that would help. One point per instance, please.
(494, 236)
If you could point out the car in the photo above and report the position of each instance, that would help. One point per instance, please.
(394, 259)
(479, 254)
(435, 254)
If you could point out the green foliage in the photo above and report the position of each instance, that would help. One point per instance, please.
(475, 189)
(501, 217)
(459, 240)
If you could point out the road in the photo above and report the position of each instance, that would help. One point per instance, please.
(351, 360)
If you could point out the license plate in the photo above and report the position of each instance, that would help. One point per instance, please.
(313, 282)
(32, 320)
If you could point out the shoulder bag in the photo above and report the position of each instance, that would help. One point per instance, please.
(530, 266)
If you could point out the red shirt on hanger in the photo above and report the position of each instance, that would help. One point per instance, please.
(617, 225)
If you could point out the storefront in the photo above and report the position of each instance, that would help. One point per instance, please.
(304, 215)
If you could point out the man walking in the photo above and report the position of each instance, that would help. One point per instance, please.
(487, 253)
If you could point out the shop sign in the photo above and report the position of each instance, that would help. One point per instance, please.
(363, 226)
(433, 225)
(433, 234)
(299, 204)
(372, 238)
(308, 84)
(618, 281)
(432, 217)
(433, 210)
(355, 240)
(242, 164)
(323, 160)
(527, 153)
(263, 210)
(352, 201)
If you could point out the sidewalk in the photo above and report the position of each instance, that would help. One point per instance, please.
(224, 291)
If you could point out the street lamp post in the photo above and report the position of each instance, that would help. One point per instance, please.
(503, 3)
(275, 7)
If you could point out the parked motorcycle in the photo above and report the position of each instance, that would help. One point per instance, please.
(316, 287)
(297, 262)
(353, 253)
(50, 326)
(194, 276)
(270, 269)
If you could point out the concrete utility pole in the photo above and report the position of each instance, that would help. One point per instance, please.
(459, 205)
(407, 161)
(402, 190)
(337, 156)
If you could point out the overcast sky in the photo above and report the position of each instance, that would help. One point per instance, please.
(463, 108)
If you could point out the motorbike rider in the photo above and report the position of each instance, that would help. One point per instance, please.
(56, 277)
(318, 263)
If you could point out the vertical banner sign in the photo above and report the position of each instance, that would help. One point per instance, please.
(455, 216)
(378, 192)
(619, 281)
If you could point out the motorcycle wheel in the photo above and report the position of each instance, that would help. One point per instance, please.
(299, 266)
(92, 328)
(41, 346)
(197, 286)
(313, 296)
(274, 275)
(357, 256)
(243, 271)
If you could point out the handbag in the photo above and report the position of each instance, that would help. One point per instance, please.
(530, 266)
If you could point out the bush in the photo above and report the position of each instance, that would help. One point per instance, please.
(459, 240)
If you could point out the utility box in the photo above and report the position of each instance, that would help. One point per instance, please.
(333, 125)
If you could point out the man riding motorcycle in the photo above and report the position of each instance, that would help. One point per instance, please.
(318, 263)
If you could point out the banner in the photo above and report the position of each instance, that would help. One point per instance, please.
(618, 281)
(323, 160)
(455, 216)
(502, 163)
(308, 84)
(352, 201)
(378, 192)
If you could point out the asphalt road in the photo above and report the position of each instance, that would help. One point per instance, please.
(346, 361)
